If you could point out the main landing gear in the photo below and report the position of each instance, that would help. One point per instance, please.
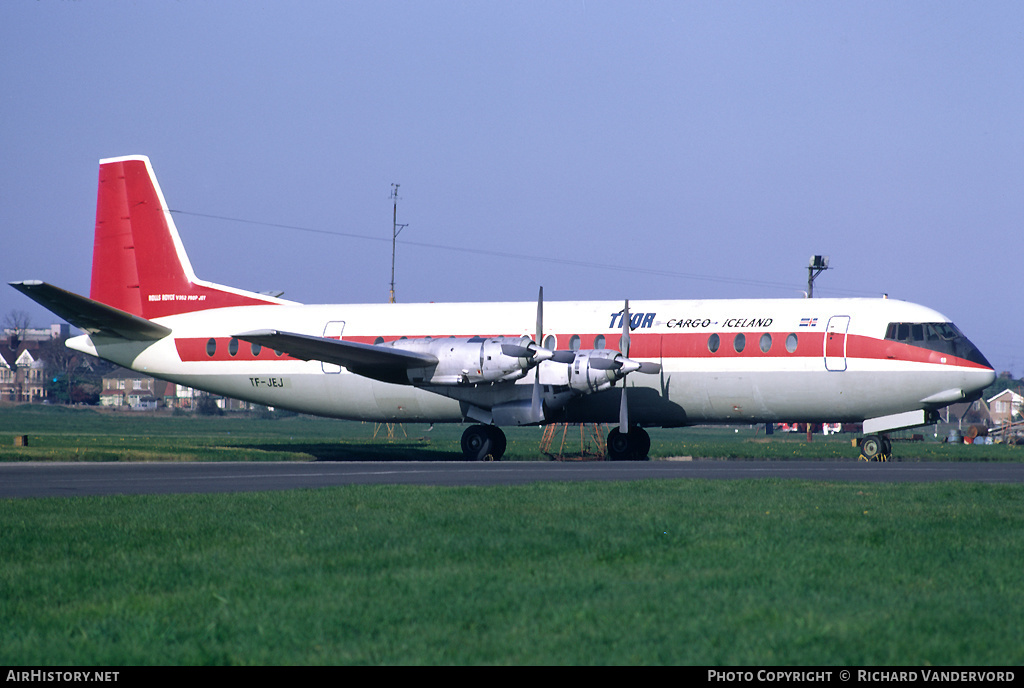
(876, 448)
(629, 446)
(483, 443)
(487, 443)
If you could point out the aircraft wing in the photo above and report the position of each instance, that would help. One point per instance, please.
(377, 362)
(91, 316)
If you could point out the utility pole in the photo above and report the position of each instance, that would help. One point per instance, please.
(396, 229)
(817, 265)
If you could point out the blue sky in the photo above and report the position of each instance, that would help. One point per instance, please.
(604, 150)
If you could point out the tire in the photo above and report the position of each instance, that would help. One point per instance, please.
(618, 446)
(631, 446)
(872, 448)
(498, 442)
(477, 443)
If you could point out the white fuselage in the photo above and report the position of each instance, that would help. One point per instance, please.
(802, 360)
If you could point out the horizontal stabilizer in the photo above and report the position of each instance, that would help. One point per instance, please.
(91, 316)
(378, 362)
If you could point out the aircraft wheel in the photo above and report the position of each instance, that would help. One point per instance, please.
(498, 442)
(872, 448)
(631, 446)
(643, 443)
(482, 443)
(618, 445)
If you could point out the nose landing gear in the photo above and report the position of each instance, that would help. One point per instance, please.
(876, 448)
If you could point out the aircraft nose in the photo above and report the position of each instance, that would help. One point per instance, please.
(978, 380)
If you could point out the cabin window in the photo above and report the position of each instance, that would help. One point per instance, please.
(714, 341)
(211, 347)
(550, 342)
(574, 342)
(791, 343)
(255, 349)
(233, 347)
(766, 342)
(739, 342)
(599, 341)
(378, 340)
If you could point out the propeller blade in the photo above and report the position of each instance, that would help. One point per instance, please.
(535, 409)
(540, 316)
(649, 368)
(563, 356)
(605, 363)
(517, 351)
(624, 341)
(624, 349)
(623, 412)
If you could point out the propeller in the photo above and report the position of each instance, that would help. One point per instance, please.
(533, 350)
(535, 354)
(624, 350)
(535, 409)
(627, 366)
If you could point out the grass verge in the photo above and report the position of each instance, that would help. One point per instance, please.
(661, 572)
(73, 434)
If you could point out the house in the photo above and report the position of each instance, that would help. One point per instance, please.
(1006, 407)
(128, 389)
(22, 374)
(23, 368)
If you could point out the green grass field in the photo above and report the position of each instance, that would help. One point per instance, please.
(81, 434)
(659, 572)
(766, 572)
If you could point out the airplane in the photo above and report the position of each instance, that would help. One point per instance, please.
(886, 363)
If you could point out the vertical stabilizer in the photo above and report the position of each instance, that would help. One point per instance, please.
(139, 264)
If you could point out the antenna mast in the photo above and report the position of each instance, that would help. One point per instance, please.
(396, 229)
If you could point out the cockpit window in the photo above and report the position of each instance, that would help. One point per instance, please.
(914, 333)
(943, 337)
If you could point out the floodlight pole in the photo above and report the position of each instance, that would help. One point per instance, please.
(818, 264)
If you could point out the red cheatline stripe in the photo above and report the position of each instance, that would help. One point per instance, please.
(642, 346)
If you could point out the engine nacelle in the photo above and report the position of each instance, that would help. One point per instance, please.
(596, 369)
(463, 361)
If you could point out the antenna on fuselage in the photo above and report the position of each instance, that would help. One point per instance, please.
(396, 229)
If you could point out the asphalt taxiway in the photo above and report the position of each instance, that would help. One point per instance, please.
(20, 480)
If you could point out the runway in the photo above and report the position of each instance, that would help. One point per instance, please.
(29, 480)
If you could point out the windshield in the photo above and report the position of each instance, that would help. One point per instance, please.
(943, 337)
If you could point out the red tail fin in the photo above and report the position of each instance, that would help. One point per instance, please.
(139, 264)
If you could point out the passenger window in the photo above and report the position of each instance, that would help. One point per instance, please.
(791, 343)
(211, 347)
(739, 342)
(233, 346)
(550, 342)
(599, 341)
(574, 342)
(766, 342)
(255, 349)
(714, 341)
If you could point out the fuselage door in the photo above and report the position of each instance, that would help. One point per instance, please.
(835, 342)
(333, 330)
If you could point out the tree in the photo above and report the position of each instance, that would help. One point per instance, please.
(17, 323)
